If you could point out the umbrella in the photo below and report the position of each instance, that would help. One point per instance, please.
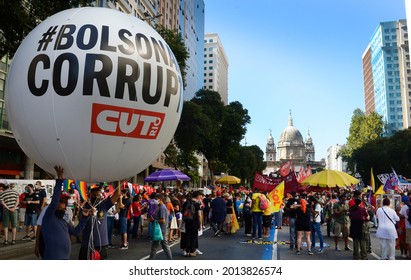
(229, 180)
(167, 175)
(330, 178)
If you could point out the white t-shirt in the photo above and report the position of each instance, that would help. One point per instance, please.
(317, 208)
(405, 212)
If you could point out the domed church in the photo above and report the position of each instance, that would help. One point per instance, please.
(291, 146)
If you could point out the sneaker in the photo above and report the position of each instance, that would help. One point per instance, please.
(13, 242)
(320, 251)
(184, 253)
(310, 252)
(347, 248)
(198, 252)
(337, 248)
(124, 247)
(248, 234)
(6, 242)
(298, 252)
(217, 232)
(26, 238)
(32, 239)
(192, 254)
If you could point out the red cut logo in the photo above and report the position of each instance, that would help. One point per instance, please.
(120, 121)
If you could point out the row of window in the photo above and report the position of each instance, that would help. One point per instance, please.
(210, 61)
(209, 68)
(210, 55)
(210, 74)
(209, 80)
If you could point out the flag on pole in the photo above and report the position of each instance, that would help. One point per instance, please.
(380, 190)
(285, 168)
(276, 197)
(372, 183)
(395, 180)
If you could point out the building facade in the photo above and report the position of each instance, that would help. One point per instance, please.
(185, 16)
(192, 29)
(368, 82)
(334, 160)
(389, 57)
(291, 146)
(215, 66)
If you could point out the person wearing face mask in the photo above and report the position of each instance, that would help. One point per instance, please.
(291, 212)
(55, 230)
(95, 234)
(161, 216)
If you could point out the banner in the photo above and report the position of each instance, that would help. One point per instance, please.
(276, 197)
(265, 183)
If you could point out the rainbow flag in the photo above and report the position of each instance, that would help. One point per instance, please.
(66, 185)
(82, 189)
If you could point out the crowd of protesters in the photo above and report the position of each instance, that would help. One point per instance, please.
(182, 216)
(348, 214)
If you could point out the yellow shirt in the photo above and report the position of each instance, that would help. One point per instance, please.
(255, 205)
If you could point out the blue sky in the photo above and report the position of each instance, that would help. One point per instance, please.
(300, 55)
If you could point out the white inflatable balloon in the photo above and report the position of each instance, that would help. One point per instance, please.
(95, 91)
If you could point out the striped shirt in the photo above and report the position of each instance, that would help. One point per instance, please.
(9, 197)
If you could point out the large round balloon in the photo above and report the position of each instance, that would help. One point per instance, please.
(95, 91)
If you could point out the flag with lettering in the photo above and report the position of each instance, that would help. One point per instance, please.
(265, 183)
(276, 197)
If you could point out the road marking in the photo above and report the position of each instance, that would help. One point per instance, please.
(274, 255)
(174, 243)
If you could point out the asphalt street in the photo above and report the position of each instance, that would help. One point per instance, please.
(225, 247)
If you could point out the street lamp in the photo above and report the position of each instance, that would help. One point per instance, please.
(149, 17)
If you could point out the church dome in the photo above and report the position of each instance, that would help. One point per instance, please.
(291, 136)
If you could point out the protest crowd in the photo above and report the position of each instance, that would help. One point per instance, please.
(169, 215)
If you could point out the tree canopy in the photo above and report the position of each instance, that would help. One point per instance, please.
(209, 127)
(363, 129)
(19, 17)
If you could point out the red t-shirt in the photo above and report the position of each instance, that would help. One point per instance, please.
(136, 209)
(22, 197)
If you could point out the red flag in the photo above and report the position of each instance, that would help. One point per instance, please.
(300, 174)
(285, 168)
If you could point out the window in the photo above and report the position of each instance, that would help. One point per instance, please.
(210, 55)
(210, 68)
(210, 61)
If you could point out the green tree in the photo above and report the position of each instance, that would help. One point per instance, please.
(19, 17)
(175, 40)
(250, 160)
(209, 127)
(363, 129)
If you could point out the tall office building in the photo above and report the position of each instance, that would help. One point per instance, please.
(215, 66)
(192, 28)
(368, 82)
(389, 59)
(170, 14)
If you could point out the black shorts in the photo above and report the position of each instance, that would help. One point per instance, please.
(302, 226)
(267, 220)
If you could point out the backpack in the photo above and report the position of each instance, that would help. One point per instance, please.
(188, 213)
(263, 202)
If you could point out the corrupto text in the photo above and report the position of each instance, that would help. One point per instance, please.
(138, 57)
